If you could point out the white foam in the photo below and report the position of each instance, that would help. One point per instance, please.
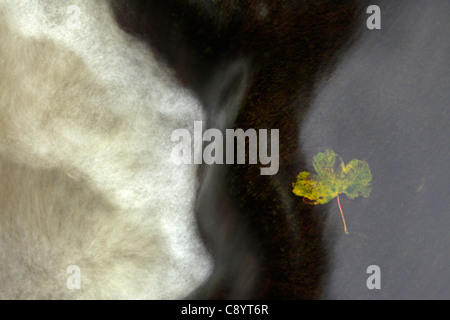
(131, 167)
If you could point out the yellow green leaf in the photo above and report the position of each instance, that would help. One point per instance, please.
(332, 178)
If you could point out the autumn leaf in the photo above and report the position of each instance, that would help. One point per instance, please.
(333, 178)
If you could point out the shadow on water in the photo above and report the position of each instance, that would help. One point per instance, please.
(254, 66)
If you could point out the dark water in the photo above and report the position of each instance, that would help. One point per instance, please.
(316, 73)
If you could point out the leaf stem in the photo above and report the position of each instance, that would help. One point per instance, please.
(342, 214)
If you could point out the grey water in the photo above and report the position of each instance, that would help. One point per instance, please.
(388, 103)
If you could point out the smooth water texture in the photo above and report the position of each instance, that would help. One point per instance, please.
(388, 104)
